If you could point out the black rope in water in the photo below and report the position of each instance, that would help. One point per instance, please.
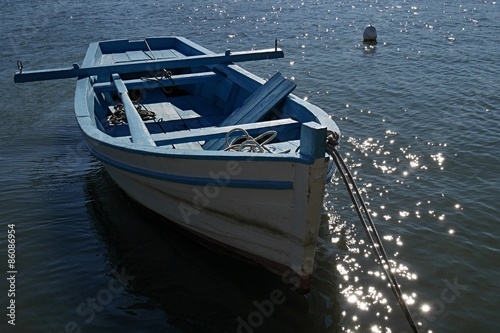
(371, 231)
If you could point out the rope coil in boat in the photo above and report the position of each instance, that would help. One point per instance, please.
(249, 144)
(119, 117)
(331, 147)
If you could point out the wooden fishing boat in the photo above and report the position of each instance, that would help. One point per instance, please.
(235, 160)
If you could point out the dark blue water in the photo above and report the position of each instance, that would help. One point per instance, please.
(419, 112)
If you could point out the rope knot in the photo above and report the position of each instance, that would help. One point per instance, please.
(332, 140)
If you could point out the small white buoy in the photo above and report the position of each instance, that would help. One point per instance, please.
(370, 34)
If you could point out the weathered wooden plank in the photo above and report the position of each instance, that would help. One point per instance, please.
(147, 65)
(283, 146)
(177, 80)
(165, 111)
(155, 55)
(137, 55)
(257, 106)
(267, 103)
(261, 101)
(201, 134)
(192, 121)
(120, 57)
(138, 130)
(187, 114)
(188, 146)
(165, 54)
(107, 59)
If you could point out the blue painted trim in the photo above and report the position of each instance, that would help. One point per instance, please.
(233, 183)
(92, 133)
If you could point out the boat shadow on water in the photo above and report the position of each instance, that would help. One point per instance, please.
(197, 289)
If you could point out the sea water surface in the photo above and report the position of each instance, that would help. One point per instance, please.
(419, 115)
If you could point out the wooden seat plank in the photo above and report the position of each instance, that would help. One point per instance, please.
(257, 106)
(120, 57)
(178, 80)
(165, 111)
(201, 134)
(137, 55)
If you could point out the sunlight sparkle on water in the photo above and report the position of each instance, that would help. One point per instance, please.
(438, 158)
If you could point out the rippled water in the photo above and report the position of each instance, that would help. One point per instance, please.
(419, 113)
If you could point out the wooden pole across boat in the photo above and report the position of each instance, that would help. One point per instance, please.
(146, 65)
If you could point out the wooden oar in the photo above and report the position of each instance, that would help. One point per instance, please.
(146, 65)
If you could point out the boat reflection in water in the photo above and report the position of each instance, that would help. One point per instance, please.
(193, 288)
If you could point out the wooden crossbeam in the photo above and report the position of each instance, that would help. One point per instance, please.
(152, 66)
(202, 134)
(177, 80)
(138, 130)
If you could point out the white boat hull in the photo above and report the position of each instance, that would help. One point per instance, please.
(267, 211)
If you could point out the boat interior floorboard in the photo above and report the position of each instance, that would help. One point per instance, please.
(172, 113)
(180, 108)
